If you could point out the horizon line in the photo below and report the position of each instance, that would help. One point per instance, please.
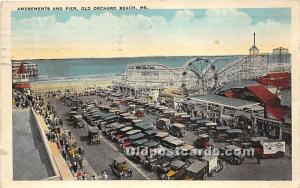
(128, 57)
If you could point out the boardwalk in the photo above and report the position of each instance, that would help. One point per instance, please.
(30, 160)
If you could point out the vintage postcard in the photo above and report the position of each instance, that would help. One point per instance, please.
(200, 92)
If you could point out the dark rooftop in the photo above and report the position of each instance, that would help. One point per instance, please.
(239, 84)
(224, 101)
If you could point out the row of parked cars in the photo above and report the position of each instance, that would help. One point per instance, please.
(127, 131)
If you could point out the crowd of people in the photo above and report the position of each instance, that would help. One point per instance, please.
(66, 143)
(22, 100)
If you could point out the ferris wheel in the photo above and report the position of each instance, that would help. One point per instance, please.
(202, 75)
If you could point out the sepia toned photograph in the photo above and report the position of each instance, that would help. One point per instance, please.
(136, 92)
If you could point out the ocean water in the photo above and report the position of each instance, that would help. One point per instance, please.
(64, 70)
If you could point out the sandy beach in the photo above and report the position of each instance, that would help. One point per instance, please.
(75, 85)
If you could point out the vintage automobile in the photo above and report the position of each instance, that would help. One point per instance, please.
(268, 148)
(163, 123)
(140, 112)
(111, 119)
(119, 135)
(136, 144)
(185, 151)
(234, 133)
(105, 129)
(149, 163)
(129, 140)
(150, 133)
(93, 135)
(120, 168)
(232, 154)
(211, 125)
(141, 147)
(196, 171)
(214, 164)
(168, 113)
(151, 144)
(129, 119)
(132, 132)
(201, 130)
(172, 142)
(115, 129)
(139, 142)
(114, 111)
(144, 126)
(176, 171)
(196, 123)
(222, 135)
(177, 129)
(222, 129)
(160, 135)
(203, 141)
(123, 137)
(124, 115)
(78, 121)
(183, 119)
(163, 162)
(195, 119)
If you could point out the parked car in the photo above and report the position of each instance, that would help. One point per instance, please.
(120, 168)
(93, 135)
(163, 123)
(196, 171)
(160, 135)
(149, 163)
(203, 141)
(163, 163)
(232, 154)
(234, 133)
(177, 129)
(268, 147)
(176, 171)
(214, 164)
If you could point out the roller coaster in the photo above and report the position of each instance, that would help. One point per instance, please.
(202, 76)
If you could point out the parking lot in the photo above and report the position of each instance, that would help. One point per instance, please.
(101, 155)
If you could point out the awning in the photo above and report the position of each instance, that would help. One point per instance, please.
(22, 85)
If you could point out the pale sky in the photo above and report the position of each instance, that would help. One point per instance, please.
(91, 34)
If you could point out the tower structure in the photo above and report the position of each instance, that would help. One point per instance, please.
(254, 50)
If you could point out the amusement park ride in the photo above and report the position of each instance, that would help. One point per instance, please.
(203, 75)
(210, 75)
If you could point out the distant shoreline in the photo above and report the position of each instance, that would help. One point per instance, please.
(126, 57)
(72, 85)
